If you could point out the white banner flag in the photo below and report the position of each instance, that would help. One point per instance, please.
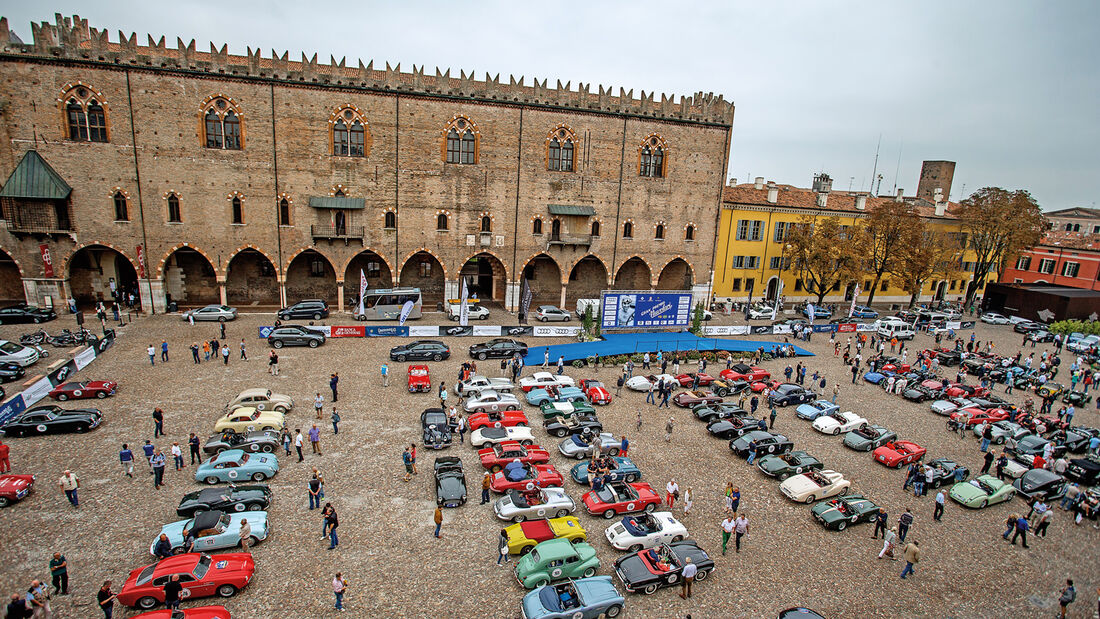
(362, 291)
(406, 309)
(852, 309)
(775, 302)
(464, 306)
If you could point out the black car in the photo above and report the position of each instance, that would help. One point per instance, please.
(1028, 327)
(266, 441)
(577, 424)
(1041, 336)
(1030, 446)
(646, 571)
(25, 313)
(976, 367)
(1076, 398)
(720, 410)
(949, 357)
(790, 393)
(920, 393)
(1040, 484)
(498, 348)
(294, 335)
(722, 387)
(420, 350)
(766, 443)
(732, 427)
(437, 430)
(450, 482)
(52, 420)
(230, 498)
(1085, 470)
(943, 472)
(987, 402)
(1075, 439)
(309, 308)
(10, 372)
(799, 612)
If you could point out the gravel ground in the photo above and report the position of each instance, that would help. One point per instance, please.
(395, 567)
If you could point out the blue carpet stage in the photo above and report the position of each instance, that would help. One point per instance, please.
(628, 343)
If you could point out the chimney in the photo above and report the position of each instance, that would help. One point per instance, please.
(773, 193)
(733, 181)
(899, 196)
(941, 205)
(822, 198)
(861, 202)
(758, 183)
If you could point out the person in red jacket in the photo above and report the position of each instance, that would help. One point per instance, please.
(5, 464)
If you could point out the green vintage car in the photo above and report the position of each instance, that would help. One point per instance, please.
(565, 409)
(784, 465)
(840, 512)
(981, 491)
(868, 438)
(554, 560)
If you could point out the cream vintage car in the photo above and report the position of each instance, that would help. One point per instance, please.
(814, 485)
(261, 399)
(248, 419)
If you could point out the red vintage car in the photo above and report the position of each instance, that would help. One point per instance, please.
(420, 380)
(759, 386)
(688, 399)
(619, 497)
(496, 457)
(89, 389)
(932, 384)
(959, 390)
(525, 477)
(15, 488)
(200, 574)
(497, 419)
(897, 454)
(740, 371)
(685, 380)
(595, 391)
(894, 365)
(198, 612)
(1043, 423)
(974, 416)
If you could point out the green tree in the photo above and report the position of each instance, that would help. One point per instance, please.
(823, 254)
(998, 223)
(697, 320)
(926, 253)
(888, 227)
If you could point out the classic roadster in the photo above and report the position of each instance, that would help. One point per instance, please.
(640, 531)
(646, 571)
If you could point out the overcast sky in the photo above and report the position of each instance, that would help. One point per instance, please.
(1008, 89)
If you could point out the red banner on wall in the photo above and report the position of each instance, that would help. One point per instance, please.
(350, 331)
(141, 261)
(47, 260)
(846, 328)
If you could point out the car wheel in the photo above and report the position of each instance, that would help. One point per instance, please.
(609, 514)
(810, 499)
(481, 356)
(614, 451)
(239, 507)
(783, 476)
(651, 589)
(401, 358)
(255, 507)
(560, 433)
(62, 397)
(147, 602)
(631, 478)
(702, 574)
(518, 518)
(836, 431)
(211, 480)
(634, 548)
(313, 343)
(258, 477)
(316, 316)
(1000, 440)
(983, 503)
(81, 429)
(268, 449)
(277, 344)
(227, 591)
(843, 524)
(613, 611)
(580, 455)
(649, 508)
(101, 394)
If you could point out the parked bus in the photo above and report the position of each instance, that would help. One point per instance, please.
(386, 304)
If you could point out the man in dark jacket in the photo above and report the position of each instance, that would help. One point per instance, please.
(163, 547)
(172, 590)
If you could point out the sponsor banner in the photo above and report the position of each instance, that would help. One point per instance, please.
(37, 391)
(11, 408)
(727, 330)
(540, 331)
(952, 324)
(266, 331)
(517, 330)
(84, 357)
(761, 329)
(866, 327)
(105, 342)
(62, 373)
(348, 331)
(423, 331)
(47, 260)
(966, 324)
(781, 329)
(633, 310)
(487, 330)
(824, 328)
(325, 329)
(456, 331)
(847, 327)
(395, 331)
(141, 261)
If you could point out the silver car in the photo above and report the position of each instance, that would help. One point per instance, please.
(551, 503)
(490, 400)
(1004, 430)
(547, 313)
(578, 447)
(219, 313)
(950, 405)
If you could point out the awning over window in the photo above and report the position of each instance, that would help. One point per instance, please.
(338, 203)
(567, 209)
(34, 178)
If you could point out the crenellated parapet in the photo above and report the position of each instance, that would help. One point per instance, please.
(72, 39)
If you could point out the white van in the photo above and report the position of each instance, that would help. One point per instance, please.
(895, 328)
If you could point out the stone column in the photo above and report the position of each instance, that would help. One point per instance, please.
(451, 290)
(221, 290)
(340, 295)
(152, 296)
(282, 293)
(512, 296)
(563, 288)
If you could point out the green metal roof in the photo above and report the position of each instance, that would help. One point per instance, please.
(34, 178)
(340, 203)
(567, 209)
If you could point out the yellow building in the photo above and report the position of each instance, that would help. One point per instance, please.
(755, 219)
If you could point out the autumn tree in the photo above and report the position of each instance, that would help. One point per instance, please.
(925, 253)
(823, 253)
(998, 223)
(887, 228)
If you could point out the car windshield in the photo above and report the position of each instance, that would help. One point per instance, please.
(10, 348)
(201, 568)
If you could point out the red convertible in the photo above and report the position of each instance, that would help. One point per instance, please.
(14, 488)
(685, 380)
(525, 477)
(621, 498)
(740, 371)
(974, 416)
(90, 389)
(420, 379)
(688, 399)
(897, 454)
(496, 457)
(595, 391)
(201, 575)
(759, 386)
(497, 419)
(959, 390)
(198, 612)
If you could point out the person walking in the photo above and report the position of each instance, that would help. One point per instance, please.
(836, 392)
(195, 352)
(244, 353)
(649, 399)
(177, 455)
(331, 522)
(385, 375)
(752, 451)
(733, 498)
(339, 587)
(688, 496)
(412, 459)
(333, 382)
(225, 354)
(1042, 522)
(406, 458)
(70, 483)
(106, 600)
(669, 426)
(442, 394)
(164, 351)
(59, 573)
(729, 525)
(1067, 596)
(889, 541)
(989, 457)
(206, 351)
(158, 463)
(546, 357)
(771, 417)
(937, 513)
(193, 446)
(880, 523)
(912, 557)
(284, 437)
(486, 481)
(688, 574)
(245, 534)
(741, 525)
(126, 457)
(315, 439)
(273, 363)
(904, 522)
(438, 518)
(1020, 531)
(672, 492)
(158, 422)
(335, 421)
(298, 442)
(561, 364)
(619, 385)
(148, 448)
(624, 446)
(318, 404)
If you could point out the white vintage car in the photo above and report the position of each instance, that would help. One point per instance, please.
(261, 399)
(642, 383)
(488, 436)
(478, 383)
(839, 423)
(546, 503)
(580, 447)
(544, 379)
(639, 531)
(950, 405)
(490, 400)
(814, 485)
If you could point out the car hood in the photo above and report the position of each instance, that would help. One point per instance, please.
(799, 485)
(772, 464)
(451, 487)
(966, 491)
(633, 570)
(828, 512)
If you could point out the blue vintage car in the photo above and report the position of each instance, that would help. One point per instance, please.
(213, 530)
(876, 378)
(537, 397)
(623, 469)
(813, 410)
(234, 465)
(585, 598)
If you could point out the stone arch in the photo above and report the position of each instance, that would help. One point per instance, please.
(11, 277)
(545, 277)
(11, 256)
(588, 276)
(351, 276)
(633, 274)
(310, 275)
(251, 277)
(486, 275)
(382, 277)
(425, 250)
(677, 274)
(90, 277)
(190, 277)
(168, 254)
(431, 280)
(246, 247)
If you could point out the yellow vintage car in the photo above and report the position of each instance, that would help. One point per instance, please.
(248, 419)
(522, 537)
